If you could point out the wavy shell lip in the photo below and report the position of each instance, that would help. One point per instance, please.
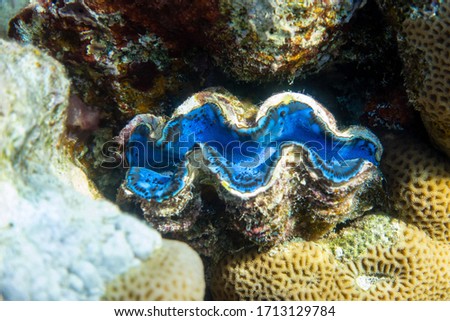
(162, 166)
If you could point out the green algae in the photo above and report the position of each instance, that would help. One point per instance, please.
(367, 232)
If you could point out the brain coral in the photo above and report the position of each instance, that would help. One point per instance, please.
(292, 271)
(419, 185)
(424, 41)
(413, 268)
(162, 277)
(391, 261)
(56, 241)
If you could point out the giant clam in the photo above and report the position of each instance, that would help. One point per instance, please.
(271, 168)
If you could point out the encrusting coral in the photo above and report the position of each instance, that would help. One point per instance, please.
(262, 40)
(419, 185)
(393, 261)
(254, 162)
(57, 241)
(114, 63)
(424, 44)
(149, 41)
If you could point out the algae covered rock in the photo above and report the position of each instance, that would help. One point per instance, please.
(261, 40)
(114, 63)
(140, 52)
(57, 241)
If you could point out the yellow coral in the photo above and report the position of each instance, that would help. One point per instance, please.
(419, 183)
(414, 268)
(174, 272)
(425, 50)
(409, 266)
(294, 271)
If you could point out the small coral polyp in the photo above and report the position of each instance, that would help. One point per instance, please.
(291, 140)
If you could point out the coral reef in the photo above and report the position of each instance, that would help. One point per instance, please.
(125, 58)
(423, 28)
(393, 261)
(114, 63)
(259, 164)
(162, 277)
(419, 184)
(57, 241)
(262, 199)
(147, 42)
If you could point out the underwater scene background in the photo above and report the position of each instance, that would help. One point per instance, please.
(225, 150)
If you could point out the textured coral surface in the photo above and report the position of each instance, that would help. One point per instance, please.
(260, 40)
(419, 184)
(395, 262)
(162, 277)
(424, 27)
(138, 52)
(247, 38)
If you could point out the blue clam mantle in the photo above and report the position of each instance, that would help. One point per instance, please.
(244, 159)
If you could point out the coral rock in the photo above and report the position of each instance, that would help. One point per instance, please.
(252, 40)
(419, 183)
(262, 165)
(57, 242)
(425, 47)
(394, 261)
(114, 62)
(260, 40)
(294, 271)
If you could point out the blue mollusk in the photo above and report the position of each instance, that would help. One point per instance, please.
(242, 158)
